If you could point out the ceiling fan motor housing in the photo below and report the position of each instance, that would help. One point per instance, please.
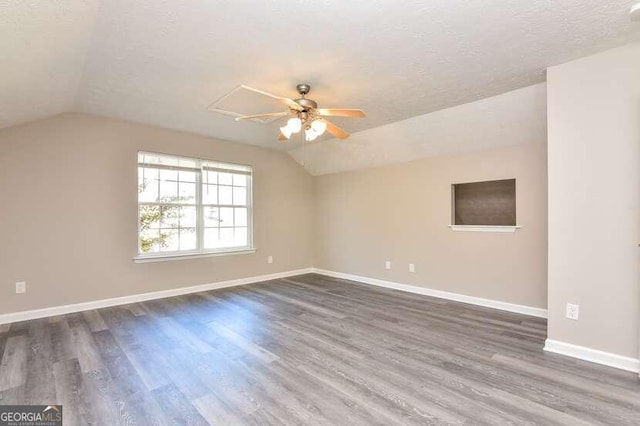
(307, 103)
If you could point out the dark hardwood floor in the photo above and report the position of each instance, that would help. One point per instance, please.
(306, 350)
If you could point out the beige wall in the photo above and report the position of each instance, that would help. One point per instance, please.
(401, 212)
(594, 190)
(68, 191)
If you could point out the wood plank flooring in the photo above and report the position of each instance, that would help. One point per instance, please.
(306, 350)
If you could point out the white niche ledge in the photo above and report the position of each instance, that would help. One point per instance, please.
(483, 228)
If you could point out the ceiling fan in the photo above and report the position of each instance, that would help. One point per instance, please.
(306, 115)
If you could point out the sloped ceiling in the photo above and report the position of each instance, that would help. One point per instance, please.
(163, 62)
(43, 45)
(512, 118)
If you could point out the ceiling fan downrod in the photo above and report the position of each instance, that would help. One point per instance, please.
(307, 104)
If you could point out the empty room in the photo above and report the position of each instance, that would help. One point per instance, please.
(319, 213)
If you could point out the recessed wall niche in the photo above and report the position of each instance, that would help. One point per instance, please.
(488, 203)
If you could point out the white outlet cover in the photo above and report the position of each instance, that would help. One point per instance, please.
(387, 264)
(270, 259)
(412, 267)
(573, 311)
(21, 287)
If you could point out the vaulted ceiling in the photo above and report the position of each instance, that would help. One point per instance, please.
(163, 62)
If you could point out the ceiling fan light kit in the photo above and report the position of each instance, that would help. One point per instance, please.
(286, 132)
(310, 134)
(319, 126)
(306, 115)
(294, 125)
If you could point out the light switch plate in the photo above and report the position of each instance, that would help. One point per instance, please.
(387, 264)
(21, 287)
(412, 267)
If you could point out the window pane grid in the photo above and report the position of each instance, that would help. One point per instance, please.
(185, 207)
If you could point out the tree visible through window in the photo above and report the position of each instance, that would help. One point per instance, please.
(188, 205)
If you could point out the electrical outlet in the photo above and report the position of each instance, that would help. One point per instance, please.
(21, 287)
(412, 267)
(270, 259)
(387, 264)
(572, 311)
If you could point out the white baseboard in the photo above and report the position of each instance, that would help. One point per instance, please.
(554, 346)
(593, 355)
(96, 304)
(495, 304)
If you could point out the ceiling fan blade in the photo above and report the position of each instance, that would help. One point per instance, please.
(269, 115)
(336, 131)
(340, 112)
(290, 102)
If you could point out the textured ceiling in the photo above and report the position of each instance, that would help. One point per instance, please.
(163, 62)
(512, 118)
(43, 45)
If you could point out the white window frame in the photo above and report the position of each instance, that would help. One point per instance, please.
(200, 251)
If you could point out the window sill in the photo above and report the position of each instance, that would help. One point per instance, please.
(483, 228)
(185, 256)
